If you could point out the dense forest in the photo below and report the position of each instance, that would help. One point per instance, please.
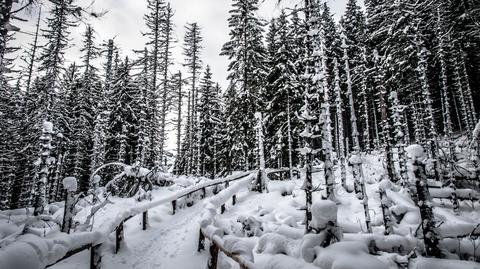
(305, 90)
(397, 73)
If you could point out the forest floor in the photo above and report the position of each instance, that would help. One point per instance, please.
(171, 240)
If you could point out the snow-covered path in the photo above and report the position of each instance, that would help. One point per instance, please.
(170, 242)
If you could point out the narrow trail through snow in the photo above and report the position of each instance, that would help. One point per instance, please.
(170, 242)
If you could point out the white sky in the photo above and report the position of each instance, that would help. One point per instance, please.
(125, 22)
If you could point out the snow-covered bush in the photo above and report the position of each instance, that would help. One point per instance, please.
(250, 226)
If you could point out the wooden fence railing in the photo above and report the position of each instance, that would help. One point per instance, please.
(215, 247)
(95, 253)
(214, 235)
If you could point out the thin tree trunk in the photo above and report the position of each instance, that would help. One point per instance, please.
(179, 120)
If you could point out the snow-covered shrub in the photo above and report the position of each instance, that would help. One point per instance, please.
(250, 226)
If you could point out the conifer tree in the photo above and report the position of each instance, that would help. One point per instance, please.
(154, 19)
(43, 168)
(398, 124)
(320, 80)
(166, 61)
(100, 125)
(142, 130)
(121, 141)
(208, 111)
(247, 71)
(32, 55)
(52, 56)
(281, 95)
(192, 51)
(307, 117)
(380, 64)
(177, 84)
(341, 131)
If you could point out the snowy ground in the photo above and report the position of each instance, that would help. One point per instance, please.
(170, 241)
(276, 228)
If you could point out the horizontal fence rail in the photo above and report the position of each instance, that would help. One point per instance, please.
(117, 225)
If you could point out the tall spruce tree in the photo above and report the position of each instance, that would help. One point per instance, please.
(247, 57)
(192, 48)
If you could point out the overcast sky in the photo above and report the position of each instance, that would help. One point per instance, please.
(124, 21)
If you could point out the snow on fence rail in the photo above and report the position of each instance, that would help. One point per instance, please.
(236, 252)
(30, 251)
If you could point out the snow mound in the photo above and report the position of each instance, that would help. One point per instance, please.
(347, 255)
(285, 262)
(324, 212)
(70, 184)
(415, 152)
(432, 263)
(272, 243)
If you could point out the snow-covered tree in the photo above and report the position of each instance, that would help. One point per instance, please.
(399, 136)
(208, 124)
(339, 114)
(192, 48)
(428, 224)
(247, 57)
(385, 124)
(320, 79)
(282, 96)
(52, 57)
(154, 19)
(43, 168)
(166, 61)
(101, 121)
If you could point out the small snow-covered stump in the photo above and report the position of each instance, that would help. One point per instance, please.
(417, 155)
(70, 185)
(324, 223)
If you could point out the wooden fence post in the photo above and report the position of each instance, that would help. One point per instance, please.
(174, 206)
(234, 199)
(95, 257)
(212, 261)
(201, 241)
(204, 191)
(222, 209)
(144, 220)
(118, 237)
